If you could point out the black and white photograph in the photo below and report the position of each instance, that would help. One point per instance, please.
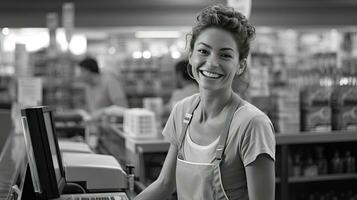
(178, 100)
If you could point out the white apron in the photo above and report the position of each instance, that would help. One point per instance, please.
(202, 180)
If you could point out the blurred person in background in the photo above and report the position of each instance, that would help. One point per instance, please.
(186, 86)
(104, 93)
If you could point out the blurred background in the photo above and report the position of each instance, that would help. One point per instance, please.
(303, 62)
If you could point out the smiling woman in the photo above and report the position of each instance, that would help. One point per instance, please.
(222, 147)
(214, 59)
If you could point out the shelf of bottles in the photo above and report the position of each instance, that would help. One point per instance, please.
(316, 163)
(305, 80)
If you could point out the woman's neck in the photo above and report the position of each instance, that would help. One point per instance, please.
(213, 103)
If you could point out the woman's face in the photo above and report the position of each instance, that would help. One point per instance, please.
(214, 59)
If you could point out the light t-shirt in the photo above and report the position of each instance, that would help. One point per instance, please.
(198, 153)
(251, 133)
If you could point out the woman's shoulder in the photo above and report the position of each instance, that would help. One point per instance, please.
(248, 113)
(250, 120)
(187, 102)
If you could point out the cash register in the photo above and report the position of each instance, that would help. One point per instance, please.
(49, 172)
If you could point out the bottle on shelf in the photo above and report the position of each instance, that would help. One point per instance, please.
(290, 166)
(297, 165)
(349, 163)
(321, 161)
(310, 168)
(336, 164)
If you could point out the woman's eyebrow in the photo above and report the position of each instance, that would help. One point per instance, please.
(204, 44)
(226, 49)
(222, 49)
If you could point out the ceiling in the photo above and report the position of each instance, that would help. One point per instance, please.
(124, 13)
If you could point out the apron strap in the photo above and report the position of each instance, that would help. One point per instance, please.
(187, 120)
(222, 140)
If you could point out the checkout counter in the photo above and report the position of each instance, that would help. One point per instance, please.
(147, 155)
(13, 166)
(24, 169)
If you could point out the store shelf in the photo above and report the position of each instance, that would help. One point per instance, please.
(330, 177)
(287, 145)
(314, 137)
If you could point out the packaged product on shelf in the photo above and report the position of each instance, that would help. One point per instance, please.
(345, 118)
(348, 65)
(316, 109)
(344, 96)
(259, 72)
(344, 108)
(316, 118)
(316, 96)
(285, 112)
(260, 85)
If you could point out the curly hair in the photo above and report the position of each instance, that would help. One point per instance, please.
(228, 19)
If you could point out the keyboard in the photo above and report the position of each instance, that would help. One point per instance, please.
(95, 196)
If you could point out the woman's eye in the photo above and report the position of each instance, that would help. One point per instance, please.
(226, 56)
(203, 51)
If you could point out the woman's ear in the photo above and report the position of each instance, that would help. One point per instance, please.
(189, 56)
(242, 66)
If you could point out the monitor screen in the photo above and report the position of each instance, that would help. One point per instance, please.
(43, 153)
(31, 156)
(52, 143)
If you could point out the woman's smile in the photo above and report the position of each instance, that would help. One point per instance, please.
(210, 74)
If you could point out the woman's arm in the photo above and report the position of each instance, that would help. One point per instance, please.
(165, 184)
(261, 178)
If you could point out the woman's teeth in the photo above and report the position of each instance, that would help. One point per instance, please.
(210, 74)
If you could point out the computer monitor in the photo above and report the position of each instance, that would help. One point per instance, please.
(44, 157)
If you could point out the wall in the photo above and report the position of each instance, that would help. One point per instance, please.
(114, 13)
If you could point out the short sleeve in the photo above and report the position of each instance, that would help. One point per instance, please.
(258, 139)
(170, 129)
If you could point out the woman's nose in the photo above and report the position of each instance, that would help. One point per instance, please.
(212, 61)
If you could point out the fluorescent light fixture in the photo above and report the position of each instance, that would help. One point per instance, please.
(78, 44)
(61, 40)
(146, 54)
(5, 31)
(175, 55)
(34, 39)
(157, 34)
(137, 54)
